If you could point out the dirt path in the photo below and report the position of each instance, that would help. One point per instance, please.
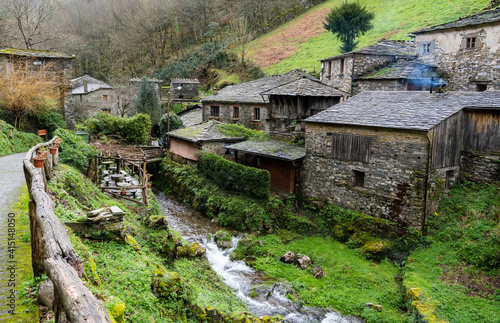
(12, 260)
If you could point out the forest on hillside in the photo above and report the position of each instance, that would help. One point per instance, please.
(117, 39)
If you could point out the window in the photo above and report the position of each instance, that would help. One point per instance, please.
(342, 65)
(214, 111)
(427, 48)
(236, 112)
(256, 113)
(105, 97)
(351, 147)
(81, 97)
(471, 42)
(107, 111)
(359, 178)
(481, 87)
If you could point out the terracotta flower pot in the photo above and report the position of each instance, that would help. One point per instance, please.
(53, 150)
(150, 184)
(38, 162)
(123, 192)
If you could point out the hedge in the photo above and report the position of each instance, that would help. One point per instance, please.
(235, 177)
(135, 130)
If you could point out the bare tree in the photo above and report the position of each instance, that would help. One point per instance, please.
(31, 19)
(239, 28)
(25, 91)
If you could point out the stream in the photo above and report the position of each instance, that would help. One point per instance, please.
(271, 300)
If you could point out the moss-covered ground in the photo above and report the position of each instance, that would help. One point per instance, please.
(25, 310)
(122, 273)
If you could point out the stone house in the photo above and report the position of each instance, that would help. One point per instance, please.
(396, 153)
(244, 103)
(293, 102)
(467, 50)
(60, 66)
(343, 71)
(282, 160)
(184, 89)
(206, 137)
(92, 96)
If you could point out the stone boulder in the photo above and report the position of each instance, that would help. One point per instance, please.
(318, 272)
(303, 261)
(195, 249)
(288, 258)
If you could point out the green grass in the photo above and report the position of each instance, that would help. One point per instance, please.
(458, 268)
(26, 309)
(13, 141)
(125, 271)
(350, 280)
(394, 19)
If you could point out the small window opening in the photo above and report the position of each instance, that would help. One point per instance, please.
(359, 178)
(471, 42)
(449, 179)
(427, 48)
(256, 113)
(214, 111)
(481, 87)
(105, 97)
(81, 97)
(342, 65)
(236, 112)
(107, 111)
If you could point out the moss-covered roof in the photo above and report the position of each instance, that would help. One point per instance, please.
(208, 131)
(33, 53)
(272, 148)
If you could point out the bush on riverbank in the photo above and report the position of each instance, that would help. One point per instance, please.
(73, 150)
(13, 141)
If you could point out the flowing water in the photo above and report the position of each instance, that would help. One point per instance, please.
(270, 300)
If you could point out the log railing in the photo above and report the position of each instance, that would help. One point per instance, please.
(52, 252)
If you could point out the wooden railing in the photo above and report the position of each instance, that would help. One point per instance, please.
(52, 252)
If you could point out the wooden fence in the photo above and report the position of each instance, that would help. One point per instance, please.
(52, 252)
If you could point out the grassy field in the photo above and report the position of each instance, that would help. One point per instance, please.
(302, 41)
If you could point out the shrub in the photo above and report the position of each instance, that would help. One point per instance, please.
(51, 121)
(147, 101)
(175, 122)
(235, 177)
(73, 150)
(135, 130)
(235, 130)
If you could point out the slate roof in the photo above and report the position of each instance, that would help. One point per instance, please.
(385, 47)
(250, 92)
(191, 116)
(92, 84)
(272, 148)
(403, 69)
(403, 110)
(479, 19)
(193, 81)
(148, 79)
(208, 131)
(306, 87)
(34, 53)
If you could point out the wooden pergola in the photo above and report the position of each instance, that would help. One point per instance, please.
(133, 160)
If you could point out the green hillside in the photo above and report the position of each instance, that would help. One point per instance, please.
(302, 41)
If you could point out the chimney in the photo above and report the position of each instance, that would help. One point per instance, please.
(85, 86)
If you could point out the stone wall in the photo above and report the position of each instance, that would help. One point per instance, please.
(90, 104)
(246, 114)
(394, 177)
(466, 67)
(362, 85)
(480, 167)
(186, 91)
(354, 66)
